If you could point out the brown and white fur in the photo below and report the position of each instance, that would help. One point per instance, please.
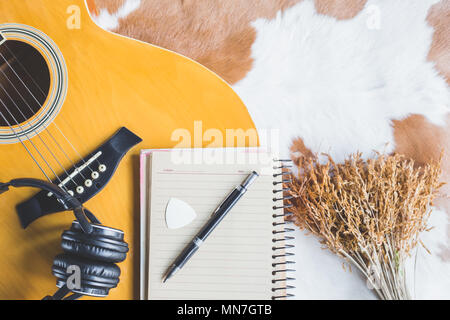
(238, 39)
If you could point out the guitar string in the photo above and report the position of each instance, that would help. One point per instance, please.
(29, 107)
(26, 148)
(17, 122)
(47, 129)
(29, 140)
(38, 117)
(57, 127)
(39, 106)
(38, 135)
(54, 123)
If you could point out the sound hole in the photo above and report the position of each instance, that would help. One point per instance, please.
(24, 82)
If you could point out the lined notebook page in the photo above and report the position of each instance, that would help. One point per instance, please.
(235, 262)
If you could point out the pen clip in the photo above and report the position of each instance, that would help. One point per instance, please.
(223, 201)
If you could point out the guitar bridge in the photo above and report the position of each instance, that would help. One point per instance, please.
(99, 166)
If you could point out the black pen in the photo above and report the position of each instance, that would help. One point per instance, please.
(212, 223)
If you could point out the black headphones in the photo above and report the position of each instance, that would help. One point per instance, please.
(91, 250)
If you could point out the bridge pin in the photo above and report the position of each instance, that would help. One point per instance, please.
(102, 168)
(95, 175)
(88, 183)
(80, 189)
(71, 193)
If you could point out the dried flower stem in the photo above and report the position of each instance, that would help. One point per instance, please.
(369, 212)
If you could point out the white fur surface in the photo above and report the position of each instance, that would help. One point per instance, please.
(338, 85)
(110, 21)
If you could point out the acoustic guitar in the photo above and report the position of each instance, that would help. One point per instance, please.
(74, 102)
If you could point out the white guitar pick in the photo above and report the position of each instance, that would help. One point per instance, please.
(179, 214)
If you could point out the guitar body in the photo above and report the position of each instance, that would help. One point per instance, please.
(112, 81)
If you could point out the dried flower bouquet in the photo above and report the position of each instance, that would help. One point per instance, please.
(370, 212)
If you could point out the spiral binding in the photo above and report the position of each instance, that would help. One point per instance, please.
(280, 255)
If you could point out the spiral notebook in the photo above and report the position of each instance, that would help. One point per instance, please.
(246, 256)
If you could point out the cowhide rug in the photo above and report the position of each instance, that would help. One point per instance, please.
(334, 76)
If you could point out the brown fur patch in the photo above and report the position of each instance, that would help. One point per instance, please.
(340, 9)
(417, 138)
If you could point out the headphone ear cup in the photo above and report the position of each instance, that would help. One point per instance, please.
(103, 244)
(96, 278)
